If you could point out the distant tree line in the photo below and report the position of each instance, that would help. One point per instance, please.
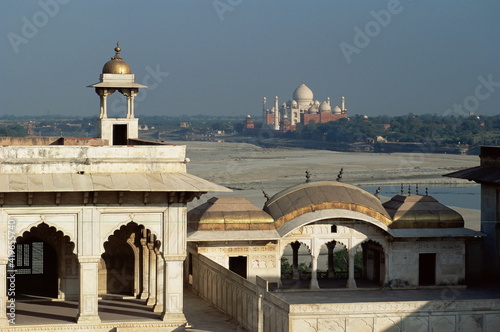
(484, 130)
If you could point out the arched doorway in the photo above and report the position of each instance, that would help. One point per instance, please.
(45, 264)
(36, 268)
(120, 264)
(296, 266)
(372, 272)
(333, 265)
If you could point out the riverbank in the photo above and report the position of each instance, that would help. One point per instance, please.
(249, 169)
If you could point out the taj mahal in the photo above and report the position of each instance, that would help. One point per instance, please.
(302, 108)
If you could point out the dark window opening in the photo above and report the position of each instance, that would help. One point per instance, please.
(120, 134)
(427, 269)
(238, 265)
(334, 229)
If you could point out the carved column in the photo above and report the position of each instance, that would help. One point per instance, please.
(314, 272)
(4, 321)
(387, 266)
(145, 269)
(295, 260)
(137, 272)
(331, 264)
(351, 282)
(133, 93)
(173, 291)
(152, 275)
(88, 305)
(130, 94)
(159, 282)
(103, 95)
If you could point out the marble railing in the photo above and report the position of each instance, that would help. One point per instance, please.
(250, 304)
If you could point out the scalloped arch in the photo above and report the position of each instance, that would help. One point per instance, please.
(282, 249)
(48, 233)
(129, 227)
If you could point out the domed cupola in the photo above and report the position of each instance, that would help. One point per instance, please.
(117, 76)
(116, 65)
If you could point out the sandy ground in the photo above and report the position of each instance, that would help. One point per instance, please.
(249, 169)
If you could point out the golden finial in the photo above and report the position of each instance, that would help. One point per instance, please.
(117, 50)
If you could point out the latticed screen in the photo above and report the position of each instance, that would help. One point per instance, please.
(37, 262)
(29, 258)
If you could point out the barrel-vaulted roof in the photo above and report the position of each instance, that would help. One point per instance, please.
(321, 195)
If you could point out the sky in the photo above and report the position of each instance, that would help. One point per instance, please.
(220, 57)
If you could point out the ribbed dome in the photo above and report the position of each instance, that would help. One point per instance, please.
(116, 65)
(303, 93)
(337, 110)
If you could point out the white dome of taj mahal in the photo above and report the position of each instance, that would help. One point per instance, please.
(303, 93)
(325, 107)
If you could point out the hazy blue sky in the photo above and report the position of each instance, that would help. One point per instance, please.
(223, 56)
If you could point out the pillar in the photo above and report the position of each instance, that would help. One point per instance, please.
(130, 94)
(104, 110)
(137, 272)
(331, 264)
(314, 272)
(173, 290)
(103, 96)
(152, 275)
(129, 106)
(159, 282)
(387, 266)
(88, 305)
(295, 260)
(351, 282)
(4, 319)
(145, 270)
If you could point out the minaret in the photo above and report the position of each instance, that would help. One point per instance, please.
(342, 104)
(264, 113)
(276, 114)
(117, 76)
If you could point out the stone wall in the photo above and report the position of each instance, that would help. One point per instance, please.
(414, 316)
(449, 267)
